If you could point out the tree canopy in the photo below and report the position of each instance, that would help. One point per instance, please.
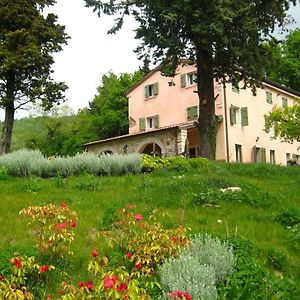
(28, 38)
(109, 108)
(286, 122)
(224, 38)
(284, 65)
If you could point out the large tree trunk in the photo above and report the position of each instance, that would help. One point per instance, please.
(206, 120)
(7, 128)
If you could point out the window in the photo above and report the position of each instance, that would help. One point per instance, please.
(239, 116)
(151, 90)
(142, 124)
(287, 157)
(296, 158)
(259, 155)
(284, 102)
(153, 122)
(269, 97)
(188, 79)
(272, 156)
(235, 87)
(238, 153)
(192, 113)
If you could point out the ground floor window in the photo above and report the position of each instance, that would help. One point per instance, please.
(238, 153)
(272, 156)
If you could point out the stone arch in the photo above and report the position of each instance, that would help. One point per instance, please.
(148, 145)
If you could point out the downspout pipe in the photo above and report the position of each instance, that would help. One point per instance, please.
(226, 122)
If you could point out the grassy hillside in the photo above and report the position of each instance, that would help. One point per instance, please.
(265, 214)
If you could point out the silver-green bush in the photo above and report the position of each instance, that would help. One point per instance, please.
(198, 268)
(31, 162)
(187, 274)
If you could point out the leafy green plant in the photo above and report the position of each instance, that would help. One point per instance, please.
(3, 173)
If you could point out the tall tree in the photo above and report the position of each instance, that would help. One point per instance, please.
(28, 38)
(284, 67)
(109, 109)
(223, 37)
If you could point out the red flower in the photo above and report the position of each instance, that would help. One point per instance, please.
(17, 263)
(122, 287)
(138, 266)
(109, 282)
(63, 204)
(138, 217)
(73, 224)
(180, 295)
(89, 285)
(128, 254)
(81, 284)
(95, 253)
(49, 297)
(173, 239)
(44, 268)
(1, 277)
(61, 226)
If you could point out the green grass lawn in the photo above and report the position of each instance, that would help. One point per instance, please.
(261, 212)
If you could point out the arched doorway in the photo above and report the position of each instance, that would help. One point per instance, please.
(152, 149)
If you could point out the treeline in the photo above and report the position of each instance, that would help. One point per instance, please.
(63, 133)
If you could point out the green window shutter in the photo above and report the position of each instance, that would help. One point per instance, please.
(192, 113)
(155, 89)
(235, 87)
(244, 114)
(267, 128)
(147, 91)
(232, 115)
(183, 80)
(294, 156)
(156, 121)
(284, 102)
(263, 155)
(269, 97)
(142, 124)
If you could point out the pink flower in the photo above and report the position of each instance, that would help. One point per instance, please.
(138, 266)
(180, 295)
(128, 254)
(89, 285)
(109, 282)
(138, 217)
(122, 287)
(44, 268)
(63, 204)
(95, 253)
(73, 224)
(81, 284)
(17, 263)
(61, 226)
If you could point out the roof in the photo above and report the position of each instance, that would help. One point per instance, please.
(133, 134)
(282, 87)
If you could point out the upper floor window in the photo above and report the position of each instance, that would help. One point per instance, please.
(148, 123)
(284, 102)
(269, 97)
(239, 115)
(151, 90)
(235, 87)
(192, 113)
(188, 79)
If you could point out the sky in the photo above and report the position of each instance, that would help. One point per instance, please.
(91, 52)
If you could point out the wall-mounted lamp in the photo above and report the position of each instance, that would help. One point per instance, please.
(257, 139)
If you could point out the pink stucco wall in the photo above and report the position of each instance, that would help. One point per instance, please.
(172, 102)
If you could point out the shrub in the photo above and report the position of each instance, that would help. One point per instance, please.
(33, 163)
(188, 274)
(199, 267)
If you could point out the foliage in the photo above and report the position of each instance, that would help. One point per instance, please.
(109, 109)
(284, 67)
(29, 37)
(205, 262)
(32, 162)
(285, 121)
(3, 173)
(178, 163)
(223, 38)
(56, 225)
